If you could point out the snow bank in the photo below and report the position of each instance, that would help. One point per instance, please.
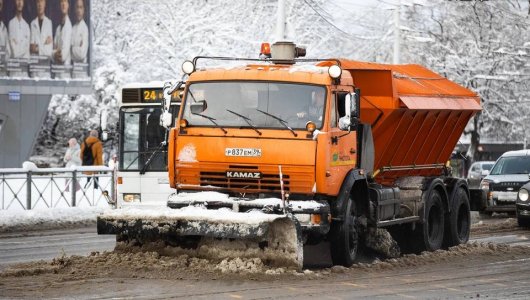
(47, 218)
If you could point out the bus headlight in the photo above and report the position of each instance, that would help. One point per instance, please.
(523, 195)
(132, 198)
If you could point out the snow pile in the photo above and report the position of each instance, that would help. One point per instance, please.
(225, 199)
(154, 265)
(381, 241)
(278, 246)
(189, 213)
(505, 224)
(239, 265)
(470, 249)
(47, 218)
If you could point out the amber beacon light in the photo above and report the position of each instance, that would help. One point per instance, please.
(265, 49)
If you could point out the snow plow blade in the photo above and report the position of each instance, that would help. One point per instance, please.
(212, 234)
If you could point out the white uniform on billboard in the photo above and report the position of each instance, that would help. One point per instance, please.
(40, 34)
(19, 38)
(80, 42)
(4, 39)
(63, 36)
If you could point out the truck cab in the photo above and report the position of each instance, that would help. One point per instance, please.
(236, 127)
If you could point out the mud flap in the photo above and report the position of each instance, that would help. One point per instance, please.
(276, 241)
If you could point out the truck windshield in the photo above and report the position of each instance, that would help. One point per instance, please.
(236, 104)
(140, 137)
(512, 165)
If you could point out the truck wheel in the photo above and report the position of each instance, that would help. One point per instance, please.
(344, 239)
(431, 232)
(458, 224)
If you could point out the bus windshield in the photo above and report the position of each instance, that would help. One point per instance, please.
(140, 136)
(260, 104)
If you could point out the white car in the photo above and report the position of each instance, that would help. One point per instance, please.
(510, 172)
(477, 172)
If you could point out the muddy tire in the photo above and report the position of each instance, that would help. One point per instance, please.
(458, 222)
(430, 234)
(344, 239)
(523, 222)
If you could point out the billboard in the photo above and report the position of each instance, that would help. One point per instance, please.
(45, 39)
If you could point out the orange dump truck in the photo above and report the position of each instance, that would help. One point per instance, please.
(286, 152)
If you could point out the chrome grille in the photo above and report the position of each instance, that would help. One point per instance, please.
(504, 186)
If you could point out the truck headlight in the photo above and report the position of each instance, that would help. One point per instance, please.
(334, 71)
(523, 195)
(132, 198)
(188, 67)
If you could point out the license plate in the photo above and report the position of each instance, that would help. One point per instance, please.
(248, 152)
(506, 196)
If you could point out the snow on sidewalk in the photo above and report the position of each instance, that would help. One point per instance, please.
(48, 218)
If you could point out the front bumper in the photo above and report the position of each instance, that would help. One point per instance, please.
(523, 209)
(501, 201)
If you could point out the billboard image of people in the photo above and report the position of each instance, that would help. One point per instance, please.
(44, 39)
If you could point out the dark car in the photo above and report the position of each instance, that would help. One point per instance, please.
(522, 206)
(507, 176)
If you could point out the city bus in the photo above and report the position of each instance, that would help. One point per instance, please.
(142, 177)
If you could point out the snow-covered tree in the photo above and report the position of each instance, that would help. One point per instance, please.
(484, 46)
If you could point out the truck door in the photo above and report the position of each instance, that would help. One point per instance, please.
(343, 143)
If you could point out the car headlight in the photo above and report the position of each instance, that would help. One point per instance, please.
(523, 195)
(485, 185)
(132, 198)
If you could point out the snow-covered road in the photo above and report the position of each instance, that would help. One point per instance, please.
(46, 245)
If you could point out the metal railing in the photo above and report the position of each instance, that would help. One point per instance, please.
(29, 188)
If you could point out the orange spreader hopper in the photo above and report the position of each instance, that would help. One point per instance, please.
(417, 116)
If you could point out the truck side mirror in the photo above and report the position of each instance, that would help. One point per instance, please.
(356, 103)
(351, 103)
(166, 118)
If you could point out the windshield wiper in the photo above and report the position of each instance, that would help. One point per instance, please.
(150, 159)
(283, 122)
(211, 120)
(246, 119)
